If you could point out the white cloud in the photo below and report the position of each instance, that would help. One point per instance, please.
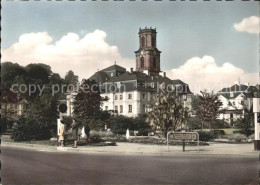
(250, 25)
(204, 73)
(82, 55)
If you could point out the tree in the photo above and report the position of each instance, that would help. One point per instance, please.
(88, 100)
(207, 108)
(246, 123)
(71, 79)
(167, 113)
(10, 74)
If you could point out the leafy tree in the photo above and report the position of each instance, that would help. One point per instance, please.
(140, 124)
(3, 124)
(88, 100)
(38, 71)
(120, 124)
(167, 113)
(246, 124)
(27, 129)
(71, 78)
(207, 108)
(11, 73)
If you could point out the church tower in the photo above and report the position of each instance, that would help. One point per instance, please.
(148, 56)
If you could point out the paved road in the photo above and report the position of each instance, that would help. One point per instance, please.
(24, 166)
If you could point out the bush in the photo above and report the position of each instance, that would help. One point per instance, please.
(237, 137)
(246, 123)
(252, 136)
(95, 138)
(140, 124)
(193, 124)
(206, 135)
(28, 130)
(216, 124)
(95, 124)
(102, 133)
(120, 124)
(245, 132)
(4, 123)
(218, 133)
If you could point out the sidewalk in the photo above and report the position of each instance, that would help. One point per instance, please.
(246, 150)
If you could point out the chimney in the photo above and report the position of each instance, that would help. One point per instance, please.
(131, 70)
(164, 74)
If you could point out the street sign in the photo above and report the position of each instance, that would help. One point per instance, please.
(183, 136)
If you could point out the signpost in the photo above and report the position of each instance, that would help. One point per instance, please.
(183, 136)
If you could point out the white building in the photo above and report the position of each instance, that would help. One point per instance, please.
(130, 93)
(235, 101)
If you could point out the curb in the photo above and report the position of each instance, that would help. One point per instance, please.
(103, 152)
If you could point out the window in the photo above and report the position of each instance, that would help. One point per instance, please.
(143, 96)
(129, 96)
(153, 42)
(121, 96)
(154, 62)
(112, 74)
(106, 107)
(142, 42)
(144, 108)
(184, 97)
(129, 108)
(121, 108)
(16, 106)
(115, 97)
(116, 109)
(231, 94)
(142, 62)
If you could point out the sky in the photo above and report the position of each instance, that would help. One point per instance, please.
(208, 45)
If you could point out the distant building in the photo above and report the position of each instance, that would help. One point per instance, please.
(130, 93)
(235, 100)
(12, 105)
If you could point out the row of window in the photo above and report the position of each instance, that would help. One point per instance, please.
(130, 108)
(121, 97)
(129, 96)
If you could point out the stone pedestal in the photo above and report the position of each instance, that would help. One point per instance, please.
(256, 144)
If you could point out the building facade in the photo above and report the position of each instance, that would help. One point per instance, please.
(12, 105)
(235, 101)
(132, 92)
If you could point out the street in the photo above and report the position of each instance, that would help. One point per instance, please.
(24, 166)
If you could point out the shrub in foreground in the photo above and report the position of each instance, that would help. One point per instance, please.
(28, 130)
(206, 135)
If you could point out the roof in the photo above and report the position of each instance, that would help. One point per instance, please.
(182, 87)
(143, 82)
(9, 97)
(99, 77)
(114, 67)
(238, 89)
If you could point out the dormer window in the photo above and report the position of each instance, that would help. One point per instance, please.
(231, 94)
